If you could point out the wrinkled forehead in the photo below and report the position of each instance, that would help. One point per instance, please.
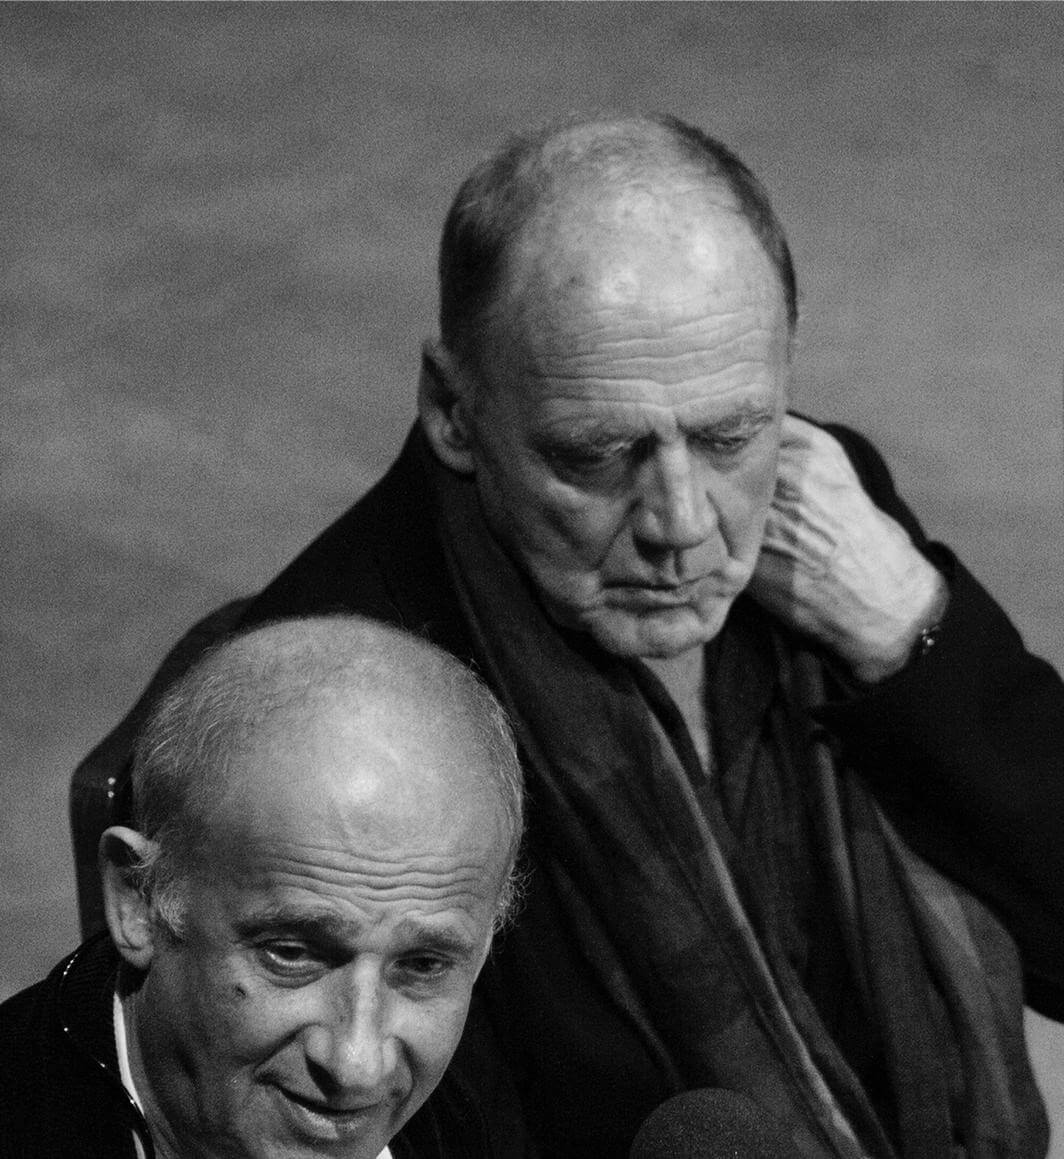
(642, 253)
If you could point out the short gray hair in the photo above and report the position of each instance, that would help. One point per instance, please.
(184, 749)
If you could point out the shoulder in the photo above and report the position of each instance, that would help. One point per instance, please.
(29, 1020)
(383, 559)
(56, 1087)
(350, 565)
(23, 1018)
(23, 1050)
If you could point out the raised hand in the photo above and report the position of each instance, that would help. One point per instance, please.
(838, 568)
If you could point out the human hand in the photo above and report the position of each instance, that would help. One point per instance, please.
(836, 567)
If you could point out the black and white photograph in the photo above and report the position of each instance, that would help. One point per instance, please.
(533, 590)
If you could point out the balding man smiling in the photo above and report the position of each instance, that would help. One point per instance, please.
(327, 815)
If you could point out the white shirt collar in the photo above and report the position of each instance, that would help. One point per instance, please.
(124, 1071)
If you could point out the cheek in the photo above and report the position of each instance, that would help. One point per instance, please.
(742, 503)
(198, 1036)
(258, 1024)
(586, 524)
(240, 1022)
(544, 518)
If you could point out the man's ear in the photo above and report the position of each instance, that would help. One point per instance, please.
(445, 399)
(128, 911)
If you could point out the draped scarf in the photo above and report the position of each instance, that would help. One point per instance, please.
(640, 856)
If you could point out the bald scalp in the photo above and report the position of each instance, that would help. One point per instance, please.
(384, 679)
(567, 184)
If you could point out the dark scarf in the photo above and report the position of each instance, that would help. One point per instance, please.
(681, 932)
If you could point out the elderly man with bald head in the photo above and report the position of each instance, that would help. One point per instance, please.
(326, 819)
(794, 778)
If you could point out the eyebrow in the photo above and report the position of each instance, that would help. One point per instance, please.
(446, 940)
(747, 414)
(593, 433)
(321, 924)
(334, 932)
(599, 432)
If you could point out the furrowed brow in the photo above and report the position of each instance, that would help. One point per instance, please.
(322, 927)
(590, 433)
(747, 415)
(446, 940)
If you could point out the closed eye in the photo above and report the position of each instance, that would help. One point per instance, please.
(730, 439)
(722, 444)
(585, 455)
(597, 464)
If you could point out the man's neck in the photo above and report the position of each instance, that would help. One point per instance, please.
(684, 678)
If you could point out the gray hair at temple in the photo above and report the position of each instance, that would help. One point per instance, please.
(185, 747)
(510, 191)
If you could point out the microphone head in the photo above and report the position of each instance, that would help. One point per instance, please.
(711, 1124)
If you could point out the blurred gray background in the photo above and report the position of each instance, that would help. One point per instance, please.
(218, 232)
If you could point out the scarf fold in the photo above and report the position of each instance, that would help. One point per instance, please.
(640, 858)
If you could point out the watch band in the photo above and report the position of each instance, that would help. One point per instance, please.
(927, 639)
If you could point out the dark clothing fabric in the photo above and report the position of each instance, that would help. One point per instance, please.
(695, 934)
(61, 1096)
(968, 734)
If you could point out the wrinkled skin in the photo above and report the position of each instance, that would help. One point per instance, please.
(625, 435)
(836, 567)
(625, 442)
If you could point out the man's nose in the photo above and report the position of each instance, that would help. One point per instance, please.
(674, 509)
(352, 1046)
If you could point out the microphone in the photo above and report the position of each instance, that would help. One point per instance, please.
(711, 1124)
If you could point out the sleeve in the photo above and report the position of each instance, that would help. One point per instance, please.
(964, 748)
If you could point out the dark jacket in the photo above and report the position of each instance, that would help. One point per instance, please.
(61, 1096)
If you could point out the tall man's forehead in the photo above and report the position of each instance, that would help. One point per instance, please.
(578, 241)
(676, 243)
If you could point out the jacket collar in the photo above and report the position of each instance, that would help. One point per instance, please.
(85, 1010)
(85, 996)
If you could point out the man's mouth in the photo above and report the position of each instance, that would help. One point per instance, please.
(651, 594)
(320, 1119)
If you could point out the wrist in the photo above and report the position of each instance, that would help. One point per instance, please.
(915, 637)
